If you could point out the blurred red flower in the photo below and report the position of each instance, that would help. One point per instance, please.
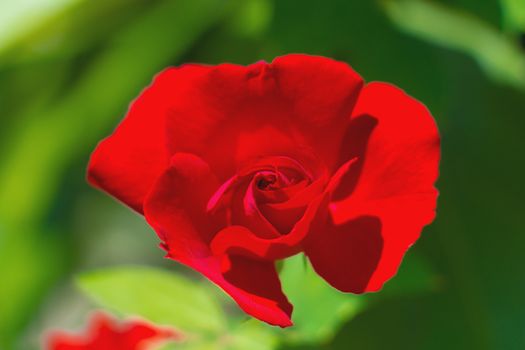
(236, 167)
(105, 333)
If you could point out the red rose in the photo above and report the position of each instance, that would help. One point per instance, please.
(106, 334)
(236, 167)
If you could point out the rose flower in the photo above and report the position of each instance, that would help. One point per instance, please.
(236, 167)
(104, 333)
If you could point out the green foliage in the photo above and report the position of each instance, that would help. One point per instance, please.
(414, 277)
(16, 15)
(170, 299)
(250, 334)
(496, 54)
(251, 18)
(513, 14)
(319, 309)
(24, 276)
(159, 296)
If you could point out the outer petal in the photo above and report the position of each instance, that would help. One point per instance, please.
(322, 93)
(346, 255)
(296, 106)
(176, 208)
(394, 193)
(227, 117)
(127, 163)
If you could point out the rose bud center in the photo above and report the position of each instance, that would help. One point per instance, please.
(268, 197)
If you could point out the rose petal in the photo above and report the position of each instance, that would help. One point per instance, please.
(396, 182)
(241, 241)
(297, 106)
(285, 215)
(254, 285)
(346, 255)
(323, 93)
(176, 208)
(245, 212)
(227, 116)
(126, 164)
(354, 146)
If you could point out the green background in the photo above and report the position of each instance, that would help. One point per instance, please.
(68, 70)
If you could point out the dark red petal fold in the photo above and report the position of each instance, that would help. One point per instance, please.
(176, 208)
(394, 191)
(126, 163)
(346, 255)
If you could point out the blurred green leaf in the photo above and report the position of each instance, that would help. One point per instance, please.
(159, 296)
(62, 35)
(513, 14)
(499, 57)
(319, 309)
(16, 299)
(29, 173)
(414, 277)
(192, 344)
(252, 335)
(251, 18)
(20, 17)
(43, 143)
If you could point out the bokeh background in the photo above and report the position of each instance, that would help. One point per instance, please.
(68, 71)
